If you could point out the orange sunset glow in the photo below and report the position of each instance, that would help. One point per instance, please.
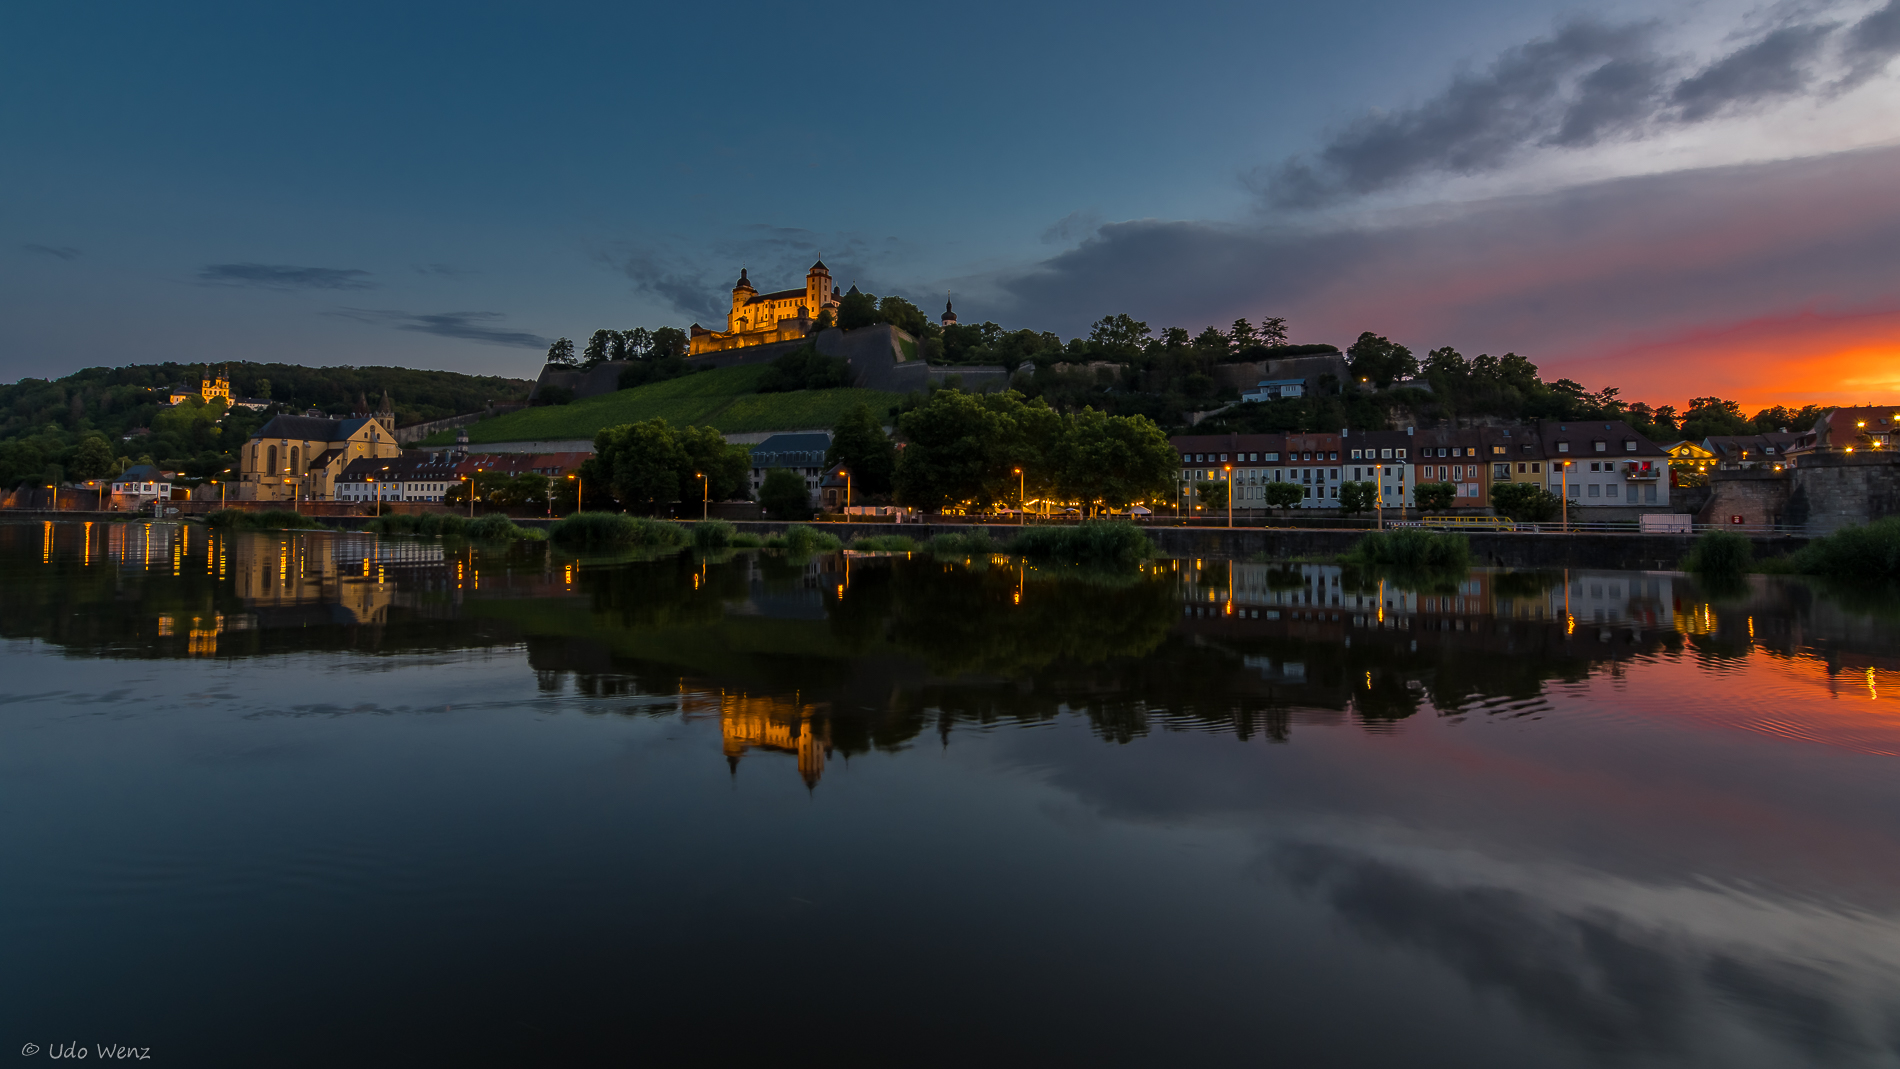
(1808, 358)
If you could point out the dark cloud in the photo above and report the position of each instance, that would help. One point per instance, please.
(1778, 65)
(286, 277)
(1571, 85)
(443, 271)
(699, 282)
(1562, 271)
(470, 326)
(1587, 83)
(1870, 45)
(1073, 227)
(63, 252)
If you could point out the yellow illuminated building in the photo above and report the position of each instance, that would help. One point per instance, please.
(757, 318)
(209, 388)
(772, 724)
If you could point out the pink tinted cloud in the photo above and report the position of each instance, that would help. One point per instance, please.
(1781, 281)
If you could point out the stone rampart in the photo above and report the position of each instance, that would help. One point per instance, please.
(1835, 490)
(1755, 497)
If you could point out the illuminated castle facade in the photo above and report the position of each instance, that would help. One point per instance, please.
(757, 318)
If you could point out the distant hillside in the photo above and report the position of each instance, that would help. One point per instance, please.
(42, 423)
(722, 398)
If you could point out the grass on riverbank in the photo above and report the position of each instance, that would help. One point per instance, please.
(1869, 553)
(493, 527)
(617, 529)
(1412, 548)
(725, 399)
(1095, 544)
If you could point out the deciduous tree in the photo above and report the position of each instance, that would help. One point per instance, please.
(859, 443)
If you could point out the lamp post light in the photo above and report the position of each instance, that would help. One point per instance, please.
(847, 490)
(54, 487)
(705, 494)
(1563, 491)
(1022, 496)
(471, 494)
(577, 490)
(1229, 470)
(374, 496)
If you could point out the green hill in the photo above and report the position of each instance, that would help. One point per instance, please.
(723, 399)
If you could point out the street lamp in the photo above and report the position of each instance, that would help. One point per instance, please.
(1563, 490)
(1022, 496)
(1229, 470)
(847, 490)
(471, 493)
(373, 495)
(705, 493)
(577, 490)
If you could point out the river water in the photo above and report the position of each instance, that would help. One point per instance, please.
(324, 799)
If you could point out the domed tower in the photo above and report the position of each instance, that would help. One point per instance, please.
(742, 291)
(817, 288)
(949, 317)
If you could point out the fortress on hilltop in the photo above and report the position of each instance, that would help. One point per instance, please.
(759, 318)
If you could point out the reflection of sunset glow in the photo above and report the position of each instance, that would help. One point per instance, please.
(1790, 697)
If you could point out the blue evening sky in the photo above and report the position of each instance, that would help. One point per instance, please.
(451, 186)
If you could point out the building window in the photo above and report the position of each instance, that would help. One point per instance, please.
(1537, 469)
(1594, 491)
(1401, 454)
(1649, 494)
(1385, 454)
(1609, 490)
(1600, 445)
(1629, 445)
(1574, 488)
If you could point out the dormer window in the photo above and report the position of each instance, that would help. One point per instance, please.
(1629, 445)
(1600, 445)
(1563, 447)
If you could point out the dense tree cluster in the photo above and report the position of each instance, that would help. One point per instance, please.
(979, 450)
(650, 465)
(805, 368)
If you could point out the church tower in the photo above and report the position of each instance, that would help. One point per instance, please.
(209, 387)
(949, 317)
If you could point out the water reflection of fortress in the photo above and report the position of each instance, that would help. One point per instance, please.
(775, 725)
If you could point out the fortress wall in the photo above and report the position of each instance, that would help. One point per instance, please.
(1836, 490)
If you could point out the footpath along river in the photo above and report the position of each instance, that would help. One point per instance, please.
(327, 799)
